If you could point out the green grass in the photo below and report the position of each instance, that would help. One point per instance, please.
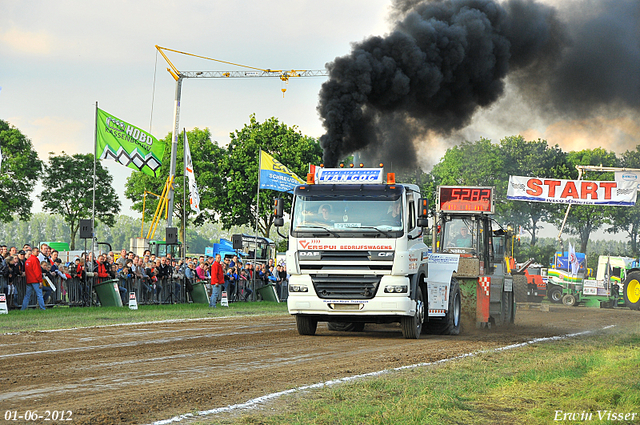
(71, 317)
(525, 386)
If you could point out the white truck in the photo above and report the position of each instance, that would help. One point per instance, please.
(356, 255)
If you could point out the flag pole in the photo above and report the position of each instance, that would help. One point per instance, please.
(93, 204)
(184, 195)
(255, 248)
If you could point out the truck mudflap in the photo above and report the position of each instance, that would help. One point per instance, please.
(483, 300)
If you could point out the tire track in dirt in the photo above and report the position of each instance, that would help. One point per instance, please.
(146, 372)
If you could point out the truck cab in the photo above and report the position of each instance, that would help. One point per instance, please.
(356, 253)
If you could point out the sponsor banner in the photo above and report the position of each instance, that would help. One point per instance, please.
(276, 176)
(581, 192)
(350, 175)
(633, 176)
(127, 144)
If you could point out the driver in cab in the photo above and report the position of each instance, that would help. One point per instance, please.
(463, 239)
(393, 214)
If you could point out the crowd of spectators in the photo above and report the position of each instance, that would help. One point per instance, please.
(41, 267)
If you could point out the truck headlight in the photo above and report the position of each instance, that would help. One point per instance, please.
(298, 288)
(395, 288)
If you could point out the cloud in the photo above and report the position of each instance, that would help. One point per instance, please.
(27, 42)
(55, 134)
(617, 134)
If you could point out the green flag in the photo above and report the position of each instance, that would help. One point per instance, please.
(128, 144)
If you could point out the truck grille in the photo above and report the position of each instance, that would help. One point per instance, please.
(352, 260)
(346, 286)
(347, 256)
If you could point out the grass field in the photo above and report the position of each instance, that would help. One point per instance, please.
(66, 317)
(592, 379)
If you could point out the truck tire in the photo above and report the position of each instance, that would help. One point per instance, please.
(508, 309)
(555, 294)
(412, 325)
(306, 325)
(631, 291)
(450, 324)
(346, 326)
(520, 288)
(569, 300)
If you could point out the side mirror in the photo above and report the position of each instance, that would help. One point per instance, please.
(423, 222)
(423, 212)
(278, 213)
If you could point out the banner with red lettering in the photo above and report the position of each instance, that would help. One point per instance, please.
(581, 192)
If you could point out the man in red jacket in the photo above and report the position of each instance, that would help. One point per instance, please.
(217, 280)
(33, 273)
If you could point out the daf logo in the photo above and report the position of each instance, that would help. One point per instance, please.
(381, 255)
(309, 253)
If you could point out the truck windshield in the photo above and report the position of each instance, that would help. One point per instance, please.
(351, 211)
(460, 235)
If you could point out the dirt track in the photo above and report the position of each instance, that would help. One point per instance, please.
(137, 374)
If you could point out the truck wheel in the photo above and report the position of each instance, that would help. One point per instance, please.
(631, 291)
(569, 300)
(555, 294)
(412, 325)
(450, 324)
(346, 326)
(306, 325)
(520, 288)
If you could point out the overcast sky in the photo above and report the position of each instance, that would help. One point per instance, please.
(58, 58)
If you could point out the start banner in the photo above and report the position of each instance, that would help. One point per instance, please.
(580, 192)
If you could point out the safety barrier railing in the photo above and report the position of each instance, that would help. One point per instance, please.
(77, 292)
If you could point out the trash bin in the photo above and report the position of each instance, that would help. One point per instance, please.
(268, 293)
(199, 294)
(108, 293)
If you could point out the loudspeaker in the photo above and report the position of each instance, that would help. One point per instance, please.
(236, 240)
(172, 236)
(86, 230)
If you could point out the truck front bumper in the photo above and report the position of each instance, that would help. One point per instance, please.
(374, 309)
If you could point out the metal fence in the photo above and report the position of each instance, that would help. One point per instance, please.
(77, 292)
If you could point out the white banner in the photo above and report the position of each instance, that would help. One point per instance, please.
(580, 192)
(633, 176)
(194, 196)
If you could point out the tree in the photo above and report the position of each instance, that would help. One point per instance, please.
(586, 219)
(529, 159)
(476, 163)
(206, 156)
(238, 171)
(19, 172)
(68, 191)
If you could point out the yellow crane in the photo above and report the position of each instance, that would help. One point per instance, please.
(251, 72)
(178, 76)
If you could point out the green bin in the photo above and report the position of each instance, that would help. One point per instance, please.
(268, 293)
(199, 294)
(108, 293)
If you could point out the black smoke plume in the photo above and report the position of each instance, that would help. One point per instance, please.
(444, 60)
